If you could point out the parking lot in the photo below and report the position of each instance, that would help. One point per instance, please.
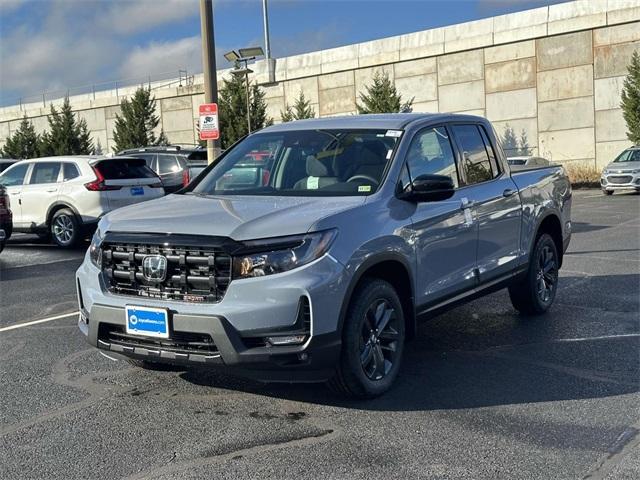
(483, 392)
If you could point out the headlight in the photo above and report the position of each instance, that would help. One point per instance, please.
(95, 252)
(605, 172)
(281, 254)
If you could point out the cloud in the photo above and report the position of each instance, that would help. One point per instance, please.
(133, 16)
(163, 57)
(53, 54)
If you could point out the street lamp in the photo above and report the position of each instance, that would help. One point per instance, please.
(245, 56)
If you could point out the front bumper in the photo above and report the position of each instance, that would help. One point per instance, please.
(251, 310)
(620, 181)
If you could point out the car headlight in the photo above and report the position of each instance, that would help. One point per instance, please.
(266, 257)
(95, 252)
(605, 172)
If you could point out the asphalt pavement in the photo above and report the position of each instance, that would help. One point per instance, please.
(483, 392)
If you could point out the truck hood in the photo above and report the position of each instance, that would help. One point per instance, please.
(623, 166)
(237, 217)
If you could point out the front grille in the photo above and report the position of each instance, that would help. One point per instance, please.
(180, 342)
(194, 274)
(618, 180)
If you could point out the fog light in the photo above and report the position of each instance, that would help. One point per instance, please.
(286, 340)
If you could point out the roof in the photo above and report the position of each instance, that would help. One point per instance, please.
(162, 148)
(391, 121)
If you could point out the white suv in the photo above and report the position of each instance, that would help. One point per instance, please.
(64, 197)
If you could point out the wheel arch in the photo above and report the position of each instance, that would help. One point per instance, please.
(551, 225)
(392, 268)
(56, 206)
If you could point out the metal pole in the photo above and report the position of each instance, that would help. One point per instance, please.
(271, 63)
(246, 81)
(209, 66)
(265, 17)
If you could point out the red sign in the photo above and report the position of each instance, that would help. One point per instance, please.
(209, 121)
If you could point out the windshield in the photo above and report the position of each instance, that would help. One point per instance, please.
(303, 163)
(629, 156)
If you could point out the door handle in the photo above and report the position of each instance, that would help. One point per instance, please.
(51, 190)
(508, 192)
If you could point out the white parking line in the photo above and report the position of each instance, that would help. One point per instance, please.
(35, 322)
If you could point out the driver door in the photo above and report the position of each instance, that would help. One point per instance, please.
(445, 232)
(13, 179)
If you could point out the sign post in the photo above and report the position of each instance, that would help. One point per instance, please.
(208, 124)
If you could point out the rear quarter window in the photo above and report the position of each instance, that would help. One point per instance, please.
(124, 168)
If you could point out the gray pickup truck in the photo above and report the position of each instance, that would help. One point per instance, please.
(315, 263)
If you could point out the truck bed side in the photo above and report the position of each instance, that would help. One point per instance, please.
(543, 192)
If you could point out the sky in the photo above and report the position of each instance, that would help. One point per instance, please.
(55, 45)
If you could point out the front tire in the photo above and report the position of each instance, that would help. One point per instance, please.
(372, 342)
(65, 228)
(536, 292)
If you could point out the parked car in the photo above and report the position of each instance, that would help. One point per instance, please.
(175, 165)
(6, 219)
(527, 161)
(64, 197)
(319, 270)
(623, 173)
(6, 163)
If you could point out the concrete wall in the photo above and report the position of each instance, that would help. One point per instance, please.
(554, 73)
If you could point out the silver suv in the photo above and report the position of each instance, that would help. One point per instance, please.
(623, 173)
(315, 262)
(64, 197)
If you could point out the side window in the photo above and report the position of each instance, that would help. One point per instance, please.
(495, 169)
(148, 158)
(167, 164)
(14, 176)
(475, 160)
(69, 171)
(430, 152)
(45, 172)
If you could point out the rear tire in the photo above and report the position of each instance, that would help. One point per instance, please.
(65, 228)
(607, 192)
(536, 292)
(373, 338)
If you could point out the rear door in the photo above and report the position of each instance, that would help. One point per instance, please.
(13, 179)
(445, 232)
(128, 181)
(495, 201)
(40, 192)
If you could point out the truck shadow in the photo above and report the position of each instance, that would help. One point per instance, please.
(485, 354)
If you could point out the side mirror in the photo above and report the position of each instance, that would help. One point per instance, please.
(429, 188)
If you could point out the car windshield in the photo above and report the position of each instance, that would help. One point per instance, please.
(629, 156)
(303, 163)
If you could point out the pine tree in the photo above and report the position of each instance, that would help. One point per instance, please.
(233, 110)
(67, 135)
(23, 143)
(301, 109)
(524, 143)
(510, 141)
(631, 99)
(382, 97)
(136, 127)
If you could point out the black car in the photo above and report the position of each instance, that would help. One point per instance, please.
(175, 165)
(6, 218)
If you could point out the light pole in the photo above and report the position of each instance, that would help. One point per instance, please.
(209, 66)
(245, 56)
(271, 62)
